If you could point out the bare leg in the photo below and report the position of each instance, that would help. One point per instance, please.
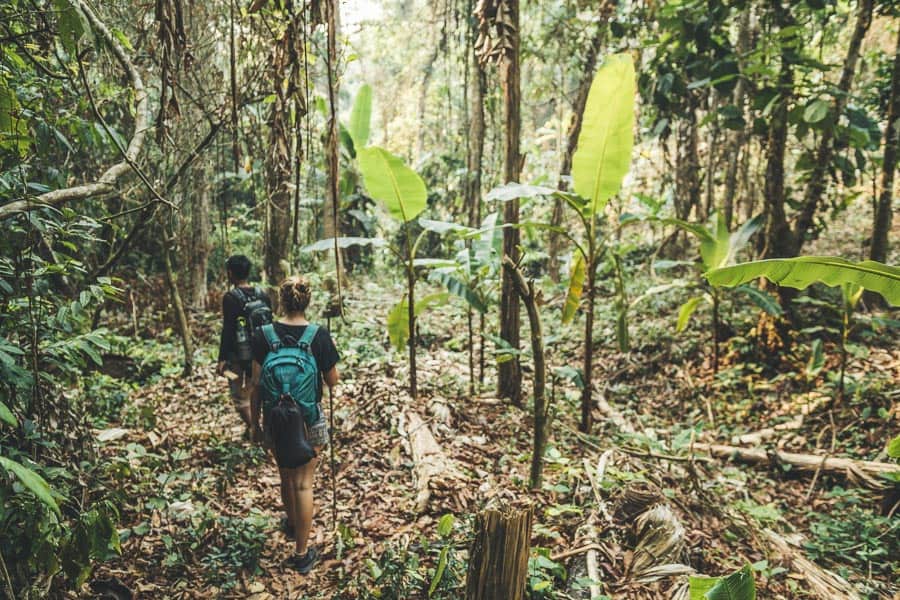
(303, 503)
(287, 498)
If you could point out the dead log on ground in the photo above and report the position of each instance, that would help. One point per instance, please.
(432, 468)
(822, 582)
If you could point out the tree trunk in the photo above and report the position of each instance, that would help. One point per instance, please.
(184, 329)
(200, 238)
(411, 318)
(498, 563)
(882, 223)
(509, 384)
(278, 174)
(589, 66)
(475, 156)
(530, 297)
(687, 164)
(819, 175)
(332, 221)
(423, 98)
(778, 233)
(739, 137)
(587, 404)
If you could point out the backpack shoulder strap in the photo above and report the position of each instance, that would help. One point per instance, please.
(240, 295)
(271, 337)
(309, 334)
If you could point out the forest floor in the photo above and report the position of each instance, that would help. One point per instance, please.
(200, 505)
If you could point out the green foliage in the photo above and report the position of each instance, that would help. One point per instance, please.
(803, 271)
(396, 186)
(893, 447)
(32, 482)
(576, 285)
(543, 574)
(361, 117)
(603, 156)
(740, 585)
(852, 535)
(397, 322)
(238, 546)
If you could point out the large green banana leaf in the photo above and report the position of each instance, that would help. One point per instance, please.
(392, 183)
(803, 271)
(603, 155)
(361, 117)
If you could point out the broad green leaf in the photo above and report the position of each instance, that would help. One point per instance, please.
(762, 299)
(741, 236)
(73, 24)
(893, 448)
(439, 570)
(513, 190)
(576, 285)
(435, 263)
(458, 288)
(6, 416)
(445, 525)
(684, 313)
(428, 301)
(32, 481)
(737, 586)
(803, 271)
(714, 251)
(361, 117)
(392, 183)
(603, 154)
(816, 110)
(852, 294)
(701, 585)
(572, 374)
(343, 242)
(398, 325)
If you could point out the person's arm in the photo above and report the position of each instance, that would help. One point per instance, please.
(331, 377)
(255, 409)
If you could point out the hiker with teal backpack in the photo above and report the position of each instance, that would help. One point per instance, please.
(293, 360)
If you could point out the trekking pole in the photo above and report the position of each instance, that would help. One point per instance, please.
(331, 448)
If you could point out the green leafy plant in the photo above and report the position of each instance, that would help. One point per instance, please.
(740, 585)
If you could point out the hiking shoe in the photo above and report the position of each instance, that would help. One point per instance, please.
(303, 563)
(287, 529)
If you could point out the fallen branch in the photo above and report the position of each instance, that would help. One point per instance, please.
(824, 583)
(860, 470)
(105, 184)
(757, 437)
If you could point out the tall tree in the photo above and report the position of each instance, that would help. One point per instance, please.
(882, 223)
(498, 41)
(201, 231)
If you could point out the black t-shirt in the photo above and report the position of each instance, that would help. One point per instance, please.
(232, 307)
(322, 347)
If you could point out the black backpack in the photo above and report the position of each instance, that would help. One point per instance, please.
(254, 314)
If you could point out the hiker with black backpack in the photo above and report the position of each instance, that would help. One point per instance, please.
(245, 308)
(293, 360)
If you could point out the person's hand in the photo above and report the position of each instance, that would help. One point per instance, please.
(256, 434)
(220, 368)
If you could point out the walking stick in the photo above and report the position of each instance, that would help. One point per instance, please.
(331, 449)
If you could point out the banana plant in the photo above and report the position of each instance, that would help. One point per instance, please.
(718, 248)
(803, 271)
(599, 165)
(402, 193)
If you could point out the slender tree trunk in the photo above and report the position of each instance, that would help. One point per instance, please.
(739, 137)
(687, 163)
(184, 329)
(423, 98)
(819, 175)
(200, 235)
(411, 319)
(587, 398)
(510, 376)
(589, 67)
(332, 221)
(478, 83)
(498, 567)
(778, 242)
(882, 223)
(530, 297)
(278, 173)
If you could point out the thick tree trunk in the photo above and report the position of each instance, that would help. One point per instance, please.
(201, 231)
(530, 297)
(509, 384)
(589, 66)
(882, 223)
(819, 176)
(498, 563)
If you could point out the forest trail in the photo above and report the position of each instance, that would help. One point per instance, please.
(214, 468)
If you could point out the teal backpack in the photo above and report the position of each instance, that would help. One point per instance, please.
(290, 371)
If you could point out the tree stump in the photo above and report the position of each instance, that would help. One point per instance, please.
(498, 563)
